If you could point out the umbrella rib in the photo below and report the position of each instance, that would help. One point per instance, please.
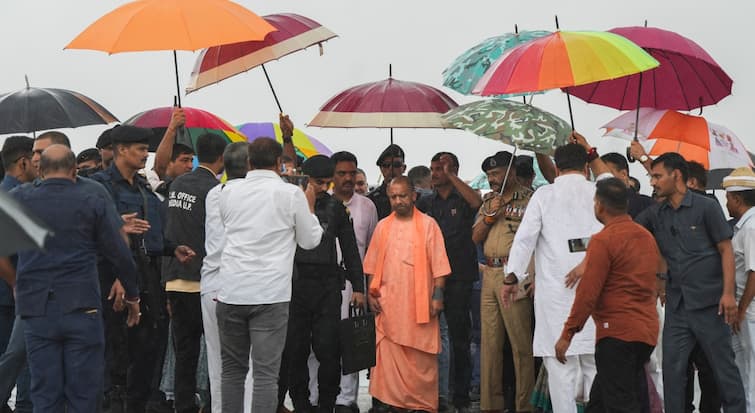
(705, 84)
(678, 79)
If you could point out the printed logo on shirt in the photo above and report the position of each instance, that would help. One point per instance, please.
(181, 200)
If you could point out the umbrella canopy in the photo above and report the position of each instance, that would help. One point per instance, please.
(716, 176)
(687, 78)
(198, 122)
(34, 109)
(465, 72)
(693, 137)
(293, 33)
(524, 126)
(20, 230)
(144, 25)
(306, 145)
(563, 59)
(388, 103)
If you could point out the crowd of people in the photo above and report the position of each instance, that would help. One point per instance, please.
(168, 290)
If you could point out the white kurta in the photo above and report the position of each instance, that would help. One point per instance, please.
(555, 214)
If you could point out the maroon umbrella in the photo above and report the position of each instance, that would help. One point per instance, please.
(294, 33)
(687, 78)
(389, 103)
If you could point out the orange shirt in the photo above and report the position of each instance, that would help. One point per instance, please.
(618, 287)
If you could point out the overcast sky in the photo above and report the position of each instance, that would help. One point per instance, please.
(419, 37)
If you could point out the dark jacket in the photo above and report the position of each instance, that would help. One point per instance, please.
(379, 196)
(83, 224)
(323, 259)
(185, 221)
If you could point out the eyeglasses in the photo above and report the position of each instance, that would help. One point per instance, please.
(395, 164)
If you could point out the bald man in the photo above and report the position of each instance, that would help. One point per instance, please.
(57, 290)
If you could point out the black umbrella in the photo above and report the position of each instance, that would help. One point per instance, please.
(716, 176)
(20, 231)
(34, 109)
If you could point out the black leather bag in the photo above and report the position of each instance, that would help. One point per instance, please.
(357, 337)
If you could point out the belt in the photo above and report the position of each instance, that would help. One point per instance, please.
(496, 261)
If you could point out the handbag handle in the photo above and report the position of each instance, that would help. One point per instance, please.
(356, 310)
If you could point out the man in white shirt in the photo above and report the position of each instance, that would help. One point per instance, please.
(236, 162)
(740, 199)
(264, 219)
(557, 215)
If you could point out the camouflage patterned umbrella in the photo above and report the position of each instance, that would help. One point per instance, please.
(523, 126)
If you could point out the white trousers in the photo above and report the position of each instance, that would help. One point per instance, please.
(744, 355)
(571, 382)
(214, 362)
(655, 364)
(350, 382)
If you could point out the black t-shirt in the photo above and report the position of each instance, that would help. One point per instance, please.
(455, 218)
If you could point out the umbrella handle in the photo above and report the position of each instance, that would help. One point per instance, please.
(568, 102)
(272, 89)
(177, 97)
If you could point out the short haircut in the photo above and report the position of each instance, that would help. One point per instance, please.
(14, 148)
(454, 158)
(748, 197)
(697, 170)
(236, 159)
(617, 160)
(403, 180)
(343, 156)
(57, 138)
(361, 171)
(264, 153)
(570, 157)
(671, 161)
(210, 147)
(612, 193)
(636, 183)
(65, 163)
(180, 149)
(524, 167)
(418, 174)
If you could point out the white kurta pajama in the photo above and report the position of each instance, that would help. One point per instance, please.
(557, 213)
(744, 342)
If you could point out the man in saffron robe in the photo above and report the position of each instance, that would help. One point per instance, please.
(407, 265)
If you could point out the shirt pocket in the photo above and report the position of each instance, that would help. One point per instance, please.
(694, 238)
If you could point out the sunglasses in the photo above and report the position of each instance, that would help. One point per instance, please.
(394, 164)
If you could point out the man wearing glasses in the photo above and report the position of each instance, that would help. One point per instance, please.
(391, 164)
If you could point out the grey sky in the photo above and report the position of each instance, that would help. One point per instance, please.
(419, 37)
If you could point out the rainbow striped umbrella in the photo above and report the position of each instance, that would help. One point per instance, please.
(306, 145)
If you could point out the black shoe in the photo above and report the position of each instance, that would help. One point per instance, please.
(474, 393)
(341, 408)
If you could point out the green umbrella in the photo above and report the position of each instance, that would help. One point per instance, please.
(464, 73)
(524, 126)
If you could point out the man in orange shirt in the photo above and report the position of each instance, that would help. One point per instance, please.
(407, 265)
(618, 289)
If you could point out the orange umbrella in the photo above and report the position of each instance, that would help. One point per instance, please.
(144, 25)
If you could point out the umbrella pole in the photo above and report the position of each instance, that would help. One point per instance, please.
(568, 102)
(637, 115)
(391, 136)
(508, 170)
(272, 89)
(178, 86)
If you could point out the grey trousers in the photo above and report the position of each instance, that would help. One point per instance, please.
(261, 329)
(683, 328)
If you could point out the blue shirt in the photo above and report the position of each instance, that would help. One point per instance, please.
(9, 182)
(82, 224)
(6, 293)
(688, 238)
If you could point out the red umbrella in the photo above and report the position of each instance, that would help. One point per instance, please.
(687, 78)
(388, 103)
(294, 33)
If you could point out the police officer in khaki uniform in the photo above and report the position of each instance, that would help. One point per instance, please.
(496, 224)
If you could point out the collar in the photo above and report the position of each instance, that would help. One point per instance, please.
(570, 177)
(686, 201)
(116, 175)
(12, 180)
(262, 173)
(453, 193)
(744, 218)
(618, 220)
(208, 170)
(57, 181)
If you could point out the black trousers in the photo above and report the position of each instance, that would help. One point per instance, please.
(187, 332)
(457, 307)
(620, 379)
(315, 312)
(710, 402)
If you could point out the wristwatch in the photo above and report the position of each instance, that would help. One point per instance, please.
(644, 158)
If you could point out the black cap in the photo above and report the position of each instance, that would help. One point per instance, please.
(106, 138)
(131, 134)
(318, 166)
(91, 154)
(392, 151)
(500, 159)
